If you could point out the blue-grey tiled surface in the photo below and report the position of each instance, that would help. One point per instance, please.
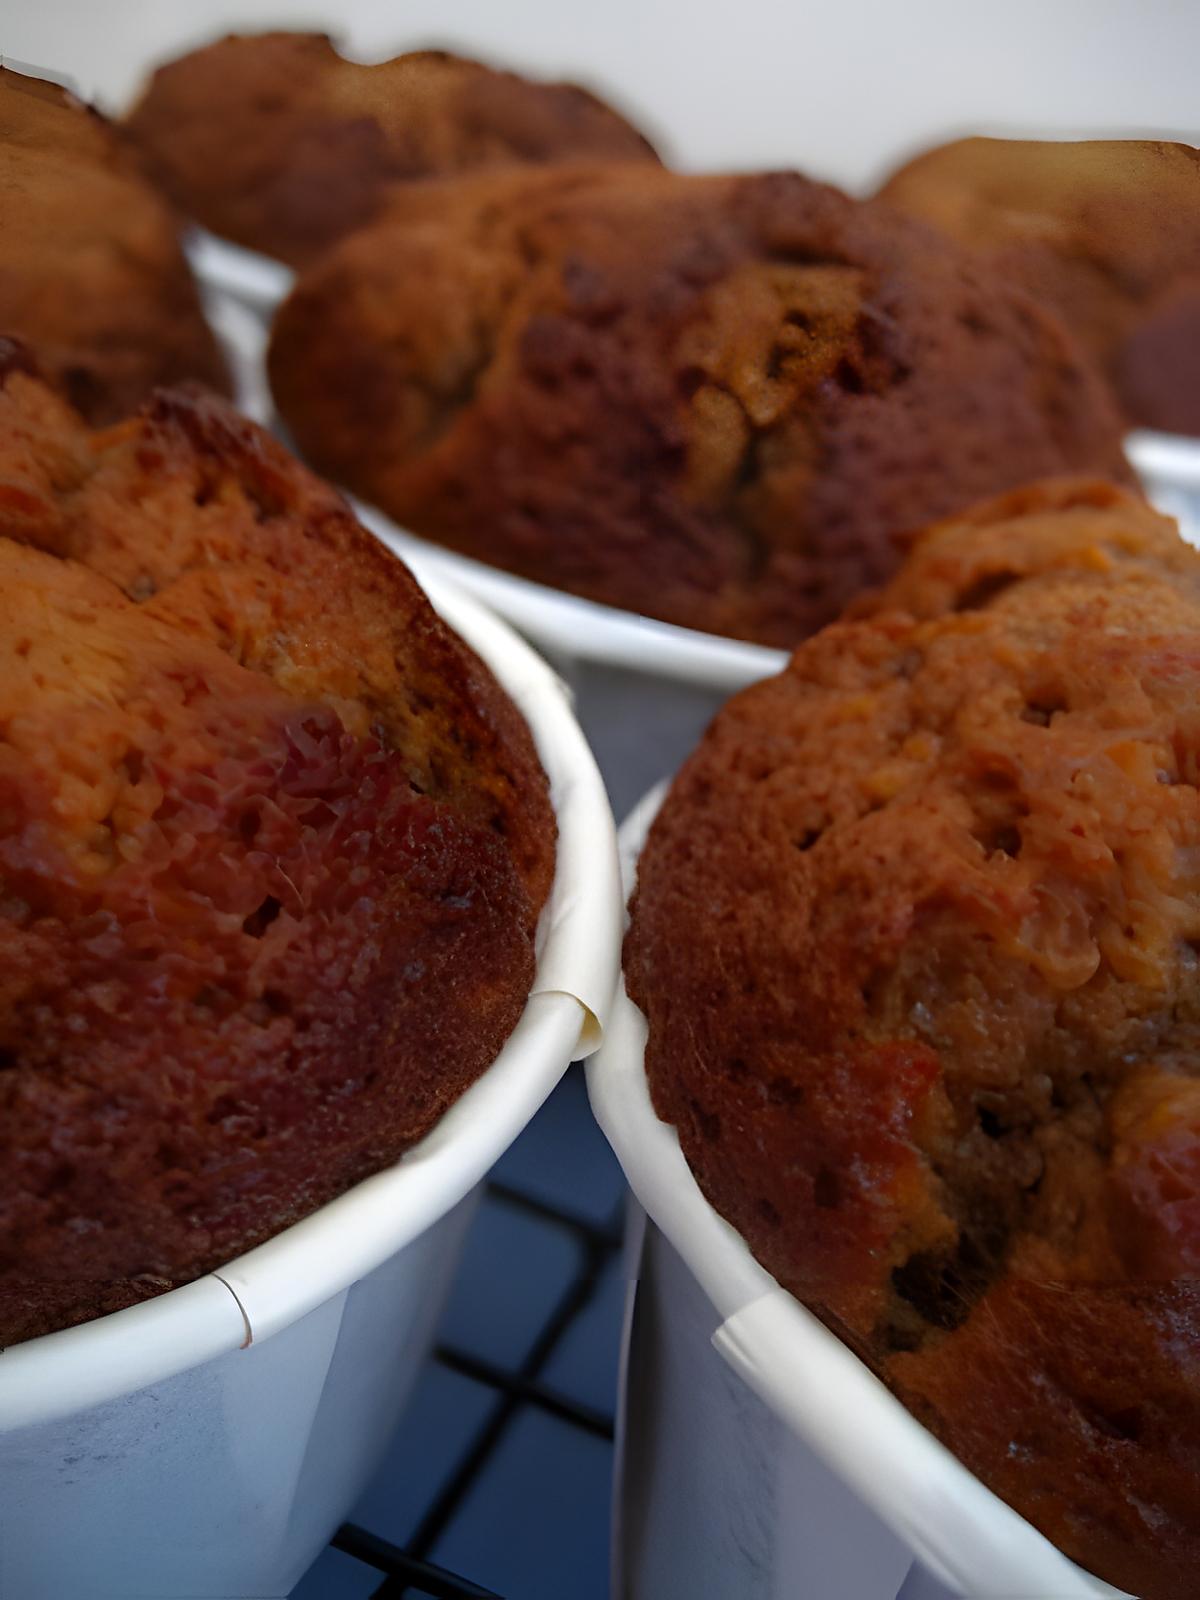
(534, 1523)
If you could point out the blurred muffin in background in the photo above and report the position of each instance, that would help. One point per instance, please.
(915, 934)
(1057, 529)
(273, 847)
(90, 265)
(1106, 231)
(276, 141)
(720, 401)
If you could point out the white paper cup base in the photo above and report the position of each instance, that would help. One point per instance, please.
(265, 1449)
(715, 1497)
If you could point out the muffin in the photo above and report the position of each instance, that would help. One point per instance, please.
(1106, 231)
(278, 142)
(720, 401)
(1054, 528)
(273, 846)
(916, 936)
(90, 265)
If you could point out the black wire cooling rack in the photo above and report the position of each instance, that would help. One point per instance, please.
(407, 1570)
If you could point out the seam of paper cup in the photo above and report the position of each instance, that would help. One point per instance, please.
(936, 1488)
(591, 1029)
(387, 1211)
(268, 1288)
(752, 1304)
(41, 1379)
(249, 1331)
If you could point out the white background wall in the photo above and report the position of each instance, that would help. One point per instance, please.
(840, 88)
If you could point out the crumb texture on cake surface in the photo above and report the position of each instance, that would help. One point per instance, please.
(91, 269)
(273, 845)
(916, 936)
(280, 143)
(722, 401)
(1107, 231)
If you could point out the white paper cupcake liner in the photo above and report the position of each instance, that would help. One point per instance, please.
(207, 1442)
(824, 1484)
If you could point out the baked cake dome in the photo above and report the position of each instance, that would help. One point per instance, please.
(1106, 231)
(916, 935)
(91, 269)
(720, 401)
(273, 845)
(278, 142)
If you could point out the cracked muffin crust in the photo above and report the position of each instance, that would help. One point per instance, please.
(1106, 231)
(273, 845)
(90, 265)
(720, 401)
(278, 142)
(916, 936)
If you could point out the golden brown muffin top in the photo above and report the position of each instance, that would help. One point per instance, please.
(1055, 528)
(915, 933)
(280, 143)
(90, 265)
(965, 835)
(209, 527)
(273, 845)
(719, 400)
(1105, 230)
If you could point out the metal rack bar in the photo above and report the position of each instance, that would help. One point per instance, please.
(527, 1390)
(408, 1570)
